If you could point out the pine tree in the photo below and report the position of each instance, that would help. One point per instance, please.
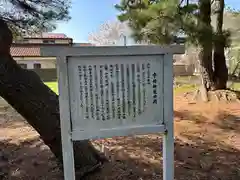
(161, 21)
(24, 90)
(220, 42)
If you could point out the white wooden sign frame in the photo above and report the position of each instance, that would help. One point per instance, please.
(164, 125)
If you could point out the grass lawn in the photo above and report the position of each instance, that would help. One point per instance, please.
(53, 86)
(180, 89)
(185, 88)
(235, 86)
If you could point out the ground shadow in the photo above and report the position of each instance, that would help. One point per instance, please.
(223, 120)
(228, 122)
(196, 117)
(22, 154)
(141, 159)
(134, 158)
(9, 118)
(196, 157)
(27, 160)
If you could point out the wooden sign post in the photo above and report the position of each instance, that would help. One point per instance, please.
(115, 91)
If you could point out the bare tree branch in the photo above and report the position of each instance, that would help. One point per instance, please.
(109, 33)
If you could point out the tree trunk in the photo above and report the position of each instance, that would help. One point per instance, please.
(220, 67)
(205, 44)
(25, 91)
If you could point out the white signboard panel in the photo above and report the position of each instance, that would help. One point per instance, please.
(115, 91)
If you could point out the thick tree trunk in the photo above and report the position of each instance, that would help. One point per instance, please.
(206, 70)
(220, 67)
(25, 91)
(205, 44)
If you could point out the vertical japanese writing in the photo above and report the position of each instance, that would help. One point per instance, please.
(96, 93)
(107, 92)
(102, 93)
(144, 85)
(91, 90)
(81, 85)
(154, 87)
(139, 89)
(118, 92)
(86, 92)
(148, 73)
(123, 92)
(133, 90)
(112, 90)
(128, 90)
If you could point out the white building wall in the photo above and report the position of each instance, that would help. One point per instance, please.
(46, 63)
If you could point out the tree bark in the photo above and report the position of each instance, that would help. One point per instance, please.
(205, 44)
(220, 67)
(25, 91)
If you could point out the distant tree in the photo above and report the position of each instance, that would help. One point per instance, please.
(109, 33)
(23, 89)
(231, 22)
(160, 21)
(114, 33)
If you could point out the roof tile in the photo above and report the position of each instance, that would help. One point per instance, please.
(25, 51)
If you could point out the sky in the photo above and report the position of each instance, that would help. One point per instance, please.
(88, 15)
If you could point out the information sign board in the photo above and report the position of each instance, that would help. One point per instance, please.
(115, 91)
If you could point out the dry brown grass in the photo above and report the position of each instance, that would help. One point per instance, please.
(207, 146)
